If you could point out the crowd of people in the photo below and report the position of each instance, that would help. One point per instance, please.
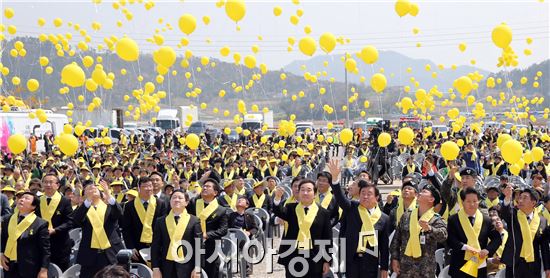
(158, 195)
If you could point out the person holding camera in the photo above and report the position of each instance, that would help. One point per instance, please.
(98, 218)
(169, 258)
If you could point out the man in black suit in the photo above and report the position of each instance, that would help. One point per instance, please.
(98, 217)
(229, 197)
(520, 260)
(367, 229)
(57, 211)
(25, 241)
(213, 219)
(170, 230)
(471, 237)
(258, 198)
(139, 218)
(325, 198)
(240, 219)
(309, 234)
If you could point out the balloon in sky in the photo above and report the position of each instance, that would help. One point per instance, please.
(126, 49)
(235, 9)
(307, 46)
(187, 23)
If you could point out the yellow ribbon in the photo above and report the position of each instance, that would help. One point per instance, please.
(146, 218)
(304, 223)
(15, 231)
(413, 248)
(175, 232)
(258, 202)
(503, 244)
(367, 228)
(528, 232)
(47, 211)
(326, 200)
(204, 213)
(296, 171)
(472, 232)
(232, 201)
(401, 209)
(492, 203)
(96, 216)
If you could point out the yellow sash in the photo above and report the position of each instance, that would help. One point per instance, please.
(348, 163)
(304, 223)
(367, 228)
(495, 168)
(296, 171)
(232, 201)
(546, 215)
(458, 205)
(258, 202)
(15, 231)
(326, 200)
(492, 203)
(472, 232)
(503, 244)
(413, 248)
(290, 200)
(411, 169)
(401, 209)
(273, 172)
(175, 232)
(96, 216)
(146, 218)
(120, 197)
(47, 211)
(203, 213)
(230, 176)
(528, 232)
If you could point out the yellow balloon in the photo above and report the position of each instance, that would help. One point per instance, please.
(406, 136)
(537, 153)
(250, 61)
(235, 9)
(17, 143)
(263, 139)
(192, 141)
(502, 138)
(227, 130)
(363, 159)
(68, 129)
(187, 24)
(246, 132)
(73, 75)
(310, 146)
(369, 54)
(511, 151)
(449, 150)
(460, 142)
(32, 85)
(464, 85)
(327, 41)
(321, 138)
(502, 35)
(127, 49)
(164, 56)
(307, 46)
(282, 144)
(515, 169)
(68, 144)
(79, 129)
(378, 82)
(384, 139)
(402, 7)
(346, 135)
(523, 131)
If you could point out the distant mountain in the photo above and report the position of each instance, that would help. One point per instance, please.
(395, 68)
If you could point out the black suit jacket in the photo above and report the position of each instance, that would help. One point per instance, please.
(249, 223)
(33, 247)
(86, 254)
(267, 205)
(62, 222)
(540, 243)
(161, 243)
(216, 225)
(489, 239)
(333, 210)
(320, 231)
(351, 221)
(132, 226)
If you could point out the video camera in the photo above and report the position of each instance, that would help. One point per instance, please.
(124, 258)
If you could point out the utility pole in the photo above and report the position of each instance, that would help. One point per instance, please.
(347, 90)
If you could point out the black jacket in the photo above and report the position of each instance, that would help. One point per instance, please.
(33, 247)
(132, 226)
(248, 225)
(62, 222)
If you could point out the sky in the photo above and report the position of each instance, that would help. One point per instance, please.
(442, 25)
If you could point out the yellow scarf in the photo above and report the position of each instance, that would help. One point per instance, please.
(326, 200)
(411, 169)
(119, 197)
(546, 215)
(290, 200)
(203, 213)
(146, 218)
(47, 211)
(367, 228)
(474, 156)
(15, 231)
(187, 175)
(492, 203)
(528, 232)
(96, 216)
(503, 244)
(273, 172)
(258, 202)
(304, 223)
(495, 168)
(413, 248)
(458, 205)
(175, 232)
(472, 232)
(296, 171)
(229, 176)
(401, 209)
(348, 162)
(231, 201)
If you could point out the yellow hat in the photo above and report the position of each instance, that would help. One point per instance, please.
(132, 192)
(260, 183)
(228, 183)
(20, 192)
(204, 159)
(396, 192)
(273, 160)
(9, 189)
(120, 183)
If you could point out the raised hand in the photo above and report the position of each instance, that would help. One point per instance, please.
(334, 169)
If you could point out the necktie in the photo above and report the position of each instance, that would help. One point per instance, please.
(305, 210)
(321, 197)
(472, 219)
(145, 205)
(48, 200)
(177, 218)
(20, 218)
(529, 219)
